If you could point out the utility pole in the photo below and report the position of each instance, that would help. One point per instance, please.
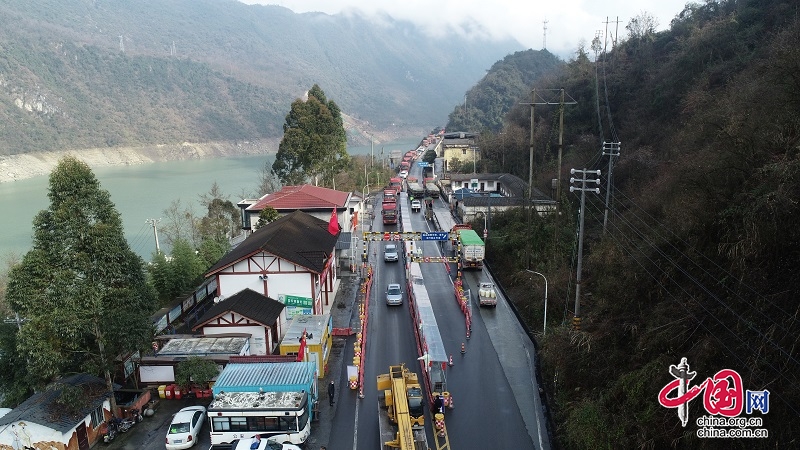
(576, 321)
(530, 150)
(560, 145)
(564, 99)
(153, 223)
(121, 44)
(612, 150)
(530, 183)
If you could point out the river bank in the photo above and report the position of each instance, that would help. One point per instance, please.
(29, 165)
(23, 166)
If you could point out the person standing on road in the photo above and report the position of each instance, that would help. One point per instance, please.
(331, 392)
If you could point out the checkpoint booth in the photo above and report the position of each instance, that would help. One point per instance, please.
(318, 339)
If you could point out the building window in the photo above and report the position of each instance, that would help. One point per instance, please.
(463, 151)
(98, 417)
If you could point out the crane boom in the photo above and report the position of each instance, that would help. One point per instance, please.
(402, 405)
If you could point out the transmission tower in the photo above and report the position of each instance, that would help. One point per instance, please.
(544, 38)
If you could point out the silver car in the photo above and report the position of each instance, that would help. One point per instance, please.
(390, 253)
(394, 295)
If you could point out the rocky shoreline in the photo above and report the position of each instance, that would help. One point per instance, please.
(22, 166)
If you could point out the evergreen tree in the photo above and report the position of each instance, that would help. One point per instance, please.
(267, 215)
(81, 288)
(314, 143)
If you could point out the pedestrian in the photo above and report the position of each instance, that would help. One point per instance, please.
(438, 404)
(331, 392)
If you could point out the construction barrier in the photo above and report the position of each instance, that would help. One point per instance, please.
(439, 424)
(448, 400)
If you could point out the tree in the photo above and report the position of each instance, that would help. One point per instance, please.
(181, 271)
(268, 182)
(14, 383)
(80, 288)
(179, 223)
(314, 143)
(187, 267)
(195, 369)
(267, 215)
(221, 222)
(644, 24)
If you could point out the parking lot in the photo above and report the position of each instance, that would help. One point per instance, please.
(150, 433)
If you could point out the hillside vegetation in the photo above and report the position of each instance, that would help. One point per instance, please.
(699, 255)
(99, 73)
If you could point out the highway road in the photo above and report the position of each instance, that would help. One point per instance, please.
(493, 385)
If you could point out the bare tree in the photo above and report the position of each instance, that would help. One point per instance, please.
(643, 25)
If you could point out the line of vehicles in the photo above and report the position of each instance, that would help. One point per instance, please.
(282, 420)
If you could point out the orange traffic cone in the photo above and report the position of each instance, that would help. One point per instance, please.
(463, 350)
(451, 360)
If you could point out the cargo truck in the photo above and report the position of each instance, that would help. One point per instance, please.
(472, 249)
(389, 211)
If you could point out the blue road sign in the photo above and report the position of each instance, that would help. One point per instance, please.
(436, 236)
(423, 164)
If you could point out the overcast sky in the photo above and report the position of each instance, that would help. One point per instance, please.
(568, 21)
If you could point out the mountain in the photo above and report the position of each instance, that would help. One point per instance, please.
(96, 73)
(693, 251)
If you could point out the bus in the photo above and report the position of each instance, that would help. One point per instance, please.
(283, 416)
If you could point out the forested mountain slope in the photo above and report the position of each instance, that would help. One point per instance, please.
(700, 250)
(97, 73)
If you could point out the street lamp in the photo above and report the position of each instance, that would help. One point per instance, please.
(544, 326)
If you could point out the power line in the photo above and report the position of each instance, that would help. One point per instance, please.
(710, 333)
(744, 322)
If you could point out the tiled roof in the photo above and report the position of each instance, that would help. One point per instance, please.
(305, 197)
(296, 237)
(248, 303)
(514, 184)
(345, 241)
(41, 408)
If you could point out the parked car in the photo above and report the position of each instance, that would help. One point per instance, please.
(390, 253)
(186, 424)
(394, 295)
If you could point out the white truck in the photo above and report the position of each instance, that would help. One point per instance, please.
(487, 294)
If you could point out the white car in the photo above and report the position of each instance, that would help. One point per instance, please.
(394, 295)
(390, 253)
(263, 444)
(403, 173)
(186, 424)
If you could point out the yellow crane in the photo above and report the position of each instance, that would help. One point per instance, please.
(403, 405)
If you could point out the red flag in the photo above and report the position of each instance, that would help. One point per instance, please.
(301, 352)
(333, 225)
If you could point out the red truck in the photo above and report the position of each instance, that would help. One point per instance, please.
(396, 184)
(389, 212)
